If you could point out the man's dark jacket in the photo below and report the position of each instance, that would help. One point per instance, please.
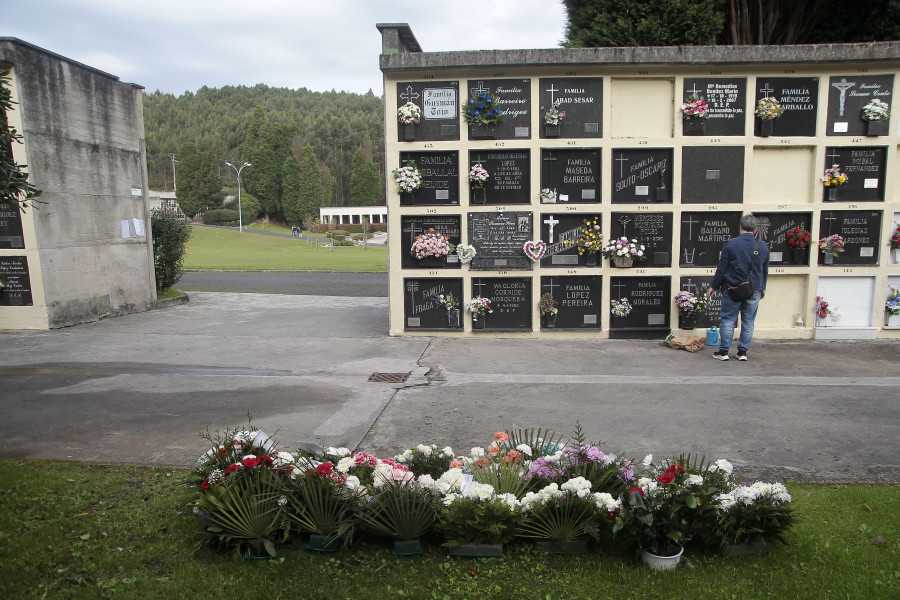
(735, 262)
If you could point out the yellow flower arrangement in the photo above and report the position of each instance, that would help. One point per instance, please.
(590, 238)
(833, 177)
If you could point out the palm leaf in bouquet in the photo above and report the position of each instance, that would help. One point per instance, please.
(320, 506)
(401, 510)
(244, 510)
(562, 521)
(504, 472)
(540, 441)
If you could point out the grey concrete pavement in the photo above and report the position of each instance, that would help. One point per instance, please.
(139, 388)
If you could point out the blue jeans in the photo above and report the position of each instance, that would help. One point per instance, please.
(730, 310)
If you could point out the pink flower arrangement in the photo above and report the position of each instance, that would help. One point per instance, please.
(431, 243)
(695, 107)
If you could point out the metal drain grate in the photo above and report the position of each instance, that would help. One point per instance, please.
(389, 377)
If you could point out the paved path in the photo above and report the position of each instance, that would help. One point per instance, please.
(139, 388)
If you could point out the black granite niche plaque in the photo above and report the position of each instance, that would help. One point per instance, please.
(440, 171)
(727, 99)
(509, 174)
(510, 302)
(581, 98)
(11, 227)
(712, 175)
(415, 225)
(573, 175)
(421, 309)
(650, 299)
(846, 97)
(798, 97)
(861, 231)
(439, 101)
(654, 230)
(773, 230)
(579, 301)
(560, 232)
(641, 175)
(513, 98)
(865, 167)
(713, 316)
(499, 240)
(17, 288)
(703, 234)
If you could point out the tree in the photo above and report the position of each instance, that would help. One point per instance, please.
(170, 238)
(291, 191)
(311, 196)
(643, 22)
(15, 190)
(198, 181)
(365, 181)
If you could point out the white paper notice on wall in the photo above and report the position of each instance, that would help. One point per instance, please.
(126, 229)
(136, 191)
(840, 127)
(641, 190)
(870, 183)
(867, 252)
(138, 227)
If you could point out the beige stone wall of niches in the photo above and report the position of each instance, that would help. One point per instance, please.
(640, 108)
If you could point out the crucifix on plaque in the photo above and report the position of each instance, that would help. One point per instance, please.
(552, 285)
(690, 225)
(843, 85)
(694, 91)
(766, 90)
(829, 218)
(477, 283)
(409, 95)
(619, 285)
(414, 230)
(551, 90)
(834, 155)
(621, 160)
(624, 220)
(552, 223)
(412, 286)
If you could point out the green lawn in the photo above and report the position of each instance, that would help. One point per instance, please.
(70, 530)
(225, 249)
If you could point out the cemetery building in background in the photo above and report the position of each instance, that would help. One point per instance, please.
(86, 252)
(626, 157)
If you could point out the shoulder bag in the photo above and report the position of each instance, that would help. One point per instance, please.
(744, 290)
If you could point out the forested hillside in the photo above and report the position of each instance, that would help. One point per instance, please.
(284, 122)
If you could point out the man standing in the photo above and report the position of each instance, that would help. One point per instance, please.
(734, 264)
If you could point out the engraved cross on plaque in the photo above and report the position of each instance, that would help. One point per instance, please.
(551, 90)
(834, 155)
(829, 218)
(690, 225)
(843, 85)
(552, 285)
(766, 90)
(413, 230)
(481, 89)
(409, 95)
(690, 285)
(477, 283)
(619, 285)
(694, 91)
(552, 223)
(412, 286)
(622, 160)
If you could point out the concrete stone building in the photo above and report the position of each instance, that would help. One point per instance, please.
(86, 252)
(628, 158)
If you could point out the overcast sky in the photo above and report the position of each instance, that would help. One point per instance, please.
(181, 45)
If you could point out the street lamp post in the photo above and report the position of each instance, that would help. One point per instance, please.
(240, 214)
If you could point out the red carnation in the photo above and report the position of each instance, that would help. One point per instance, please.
(250, 462)
(671, 470)
(205, 484)
(232, 468)
(267, 460)
(666, 478)
(325, 468)
(636, 489)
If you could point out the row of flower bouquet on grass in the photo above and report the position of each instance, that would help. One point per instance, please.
(524, 485)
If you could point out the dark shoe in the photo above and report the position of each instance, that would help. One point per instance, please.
(721, 355)
(742, 355)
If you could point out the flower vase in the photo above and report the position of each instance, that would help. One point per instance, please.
(893, 320)
(766, 127)
(662, 194)
(481, 132)
(551, 320)
(687, 321)
(453, 319)
(895, 252)
(876, 128)
(407, 198)
(661, 563)
(476, 550)
(551, 131)
(408, 547)
(798, 255)
(323, 543)
(432, 262)
(590, 259)
(623, 262)
(479, 195)
(829, 258)
(694, 126)
(831, 194)
(478, 322)
(409, 132)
